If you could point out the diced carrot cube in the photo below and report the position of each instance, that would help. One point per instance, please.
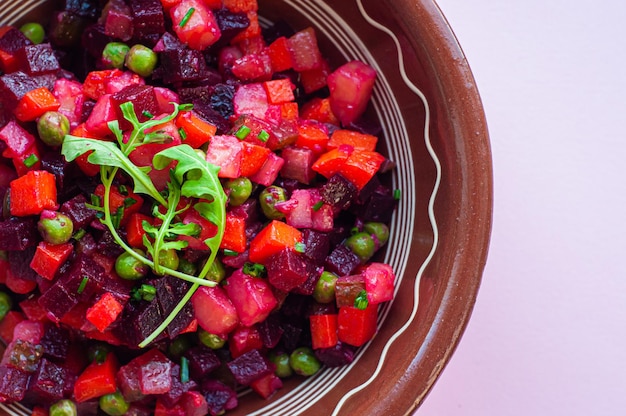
(32, 193)
(280, 57)
(361, 166)
(104, 312)
(195, 130)
(359, 141)
(35, 103)
(234, 234)
(279, 91)
(332, 161)
(237, 6)
(312, 136)
(48, 258)
(134, 229)
(319, 109)
(276, 236)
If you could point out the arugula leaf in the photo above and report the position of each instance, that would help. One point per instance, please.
(108, 154)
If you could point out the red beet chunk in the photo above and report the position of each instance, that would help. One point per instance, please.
(183, 65)
(38, 59)
(316, 245)
(337, 356)
(56, 164)
(270, 331)
(148, 19)
(52, 382)
(155, 372)
(230, 24)
(170, 290)
(286, 270)
(177, 389)
(313, 274)
(342, 261)
(55, 342)
(379, 206)
(128, 381)
(83, 269)
(19, 263)
(168, 42)
(15, 85)
(140, 320)
(202, 361)
(13, 383)
(249, 367)
(94, 39)
(18, 233)
(338, 192)
(78, 212)
(88, 9)
(143, 99)
(57, 301)
(219, 397)
(118, 21)
(11, 41)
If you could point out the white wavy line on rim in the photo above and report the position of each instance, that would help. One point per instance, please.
(302, 402)
(13, 15)
(15, 409)
(431, 202)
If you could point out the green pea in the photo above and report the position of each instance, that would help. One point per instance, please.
(169, 259)
(63, 407)
(281, 361)
(114, 54)
(378, 229)
(362, 244)
(324, 291)
(130, 268)
(98, 352)
(55, 228)
(179, 345)
(6, 303)
(52, 127)
(114, 404)
(187, 267)
(304, 362)
(268, 198)
(33, 31)
(141, 60)
(238, 190)
(215, 342)
(216, 272)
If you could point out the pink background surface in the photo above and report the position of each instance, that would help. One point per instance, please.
(548, 330)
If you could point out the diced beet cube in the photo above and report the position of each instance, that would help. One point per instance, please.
(143, 99)
(304, 51)
(347, 288)
(155, 373)
(128, 381)
(148, 18)
(270, 331)
(211, 115)
(286, 269)
(184, 65)
(19, 263)
(316, 245)
(15, 85)
(252, 297)
(107, 245)
(140, 320)
(94, 39)
(313, 274)
(338, 192)
(83, 269)
(18, 233)
(88, 9)
(177, 389)
(170, 290)
(194, 404)
(298, 162)
(13, 383)
(202, 361)
(249, 367)
(118, 21)
(57, 301)
(337, 356)
(267, 385)
(291, 335)
(219, 397)
(379, 207)
(51, 382)
(78, 212)
(342, 261)
(230, 24)
(269, 171)
(11, 41)
(168, 42)
(55, 342)
(226, 152)
(38, 59)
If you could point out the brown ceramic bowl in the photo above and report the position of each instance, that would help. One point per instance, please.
(434, 129)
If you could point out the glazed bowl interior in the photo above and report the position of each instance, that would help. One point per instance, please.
(434, 129)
